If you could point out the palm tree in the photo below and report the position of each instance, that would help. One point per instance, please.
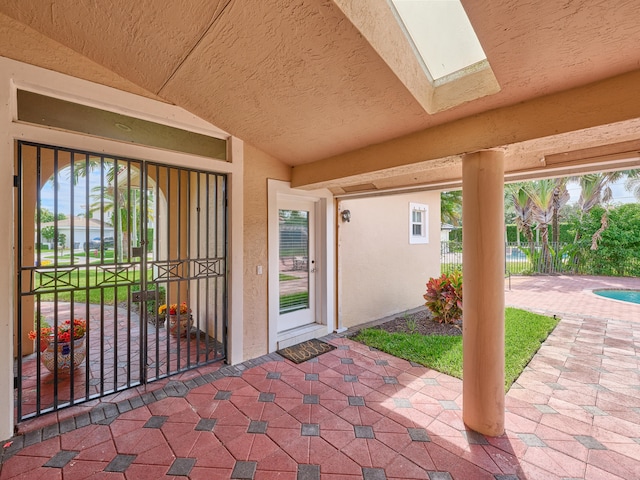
(560, 198)
(632, 184)
(595, 189)
(83, 168)
(518, 196)
(115, 196)
(118, 200)
(541, 193)
(106, 202)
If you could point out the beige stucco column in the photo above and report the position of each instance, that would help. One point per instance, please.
(483, 290)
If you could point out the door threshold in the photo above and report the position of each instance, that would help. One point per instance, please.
(300, 334)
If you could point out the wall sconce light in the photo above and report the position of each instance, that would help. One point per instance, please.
(346, 215)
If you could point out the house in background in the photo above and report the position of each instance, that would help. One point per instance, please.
(310, 106)
(445, 229)
(84, 231)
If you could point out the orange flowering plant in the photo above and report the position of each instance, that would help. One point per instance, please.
(173, 309)
(64, 332)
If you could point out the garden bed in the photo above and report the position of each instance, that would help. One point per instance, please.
(420, 322)
(417, 338)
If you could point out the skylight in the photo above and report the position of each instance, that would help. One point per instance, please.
(441, 34)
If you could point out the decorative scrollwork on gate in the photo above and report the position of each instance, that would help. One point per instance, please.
(115, 275)
(54, 278)
(170, 270)
(208, 267)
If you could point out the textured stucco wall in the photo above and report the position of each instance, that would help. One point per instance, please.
(380, 273)
(258, 167)
(22, 43)
(41, 80)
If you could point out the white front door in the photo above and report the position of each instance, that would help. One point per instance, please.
(296, 263)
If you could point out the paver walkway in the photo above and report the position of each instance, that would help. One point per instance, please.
(359, 413)
(563, 295)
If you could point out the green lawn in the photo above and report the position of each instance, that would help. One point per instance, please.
(107, 294)
(107, 254)
(514, 268)
(524, 333)
(285, 278)
(294, 301)
(64, 258)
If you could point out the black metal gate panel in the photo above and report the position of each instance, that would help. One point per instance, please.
(122, 274)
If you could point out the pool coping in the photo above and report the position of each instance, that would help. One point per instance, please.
(602, 297)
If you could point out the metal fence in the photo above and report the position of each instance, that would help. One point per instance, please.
(565, 258)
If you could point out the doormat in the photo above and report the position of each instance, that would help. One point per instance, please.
(306, 350)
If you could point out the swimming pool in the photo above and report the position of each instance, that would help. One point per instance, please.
(632, 296)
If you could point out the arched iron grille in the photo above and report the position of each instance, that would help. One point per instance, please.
(134, 253)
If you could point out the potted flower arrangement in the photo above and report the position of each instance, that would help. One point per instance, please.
(180, 319)
(55, 344)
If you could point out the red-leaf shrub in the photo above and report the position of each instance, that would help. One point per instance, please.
(444, 297)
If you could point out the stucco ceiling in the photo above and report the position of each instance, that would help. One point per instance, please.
(299, 80)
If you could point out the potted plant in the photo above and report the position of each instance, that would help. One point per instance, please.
(56, 347)
(180, 319)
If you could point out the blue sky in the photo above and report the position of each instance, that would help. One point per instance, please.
(64, 189)
(620, 195)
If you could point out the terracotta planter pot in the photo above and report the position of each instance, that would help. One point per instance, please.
(180, 324)
(63, 354)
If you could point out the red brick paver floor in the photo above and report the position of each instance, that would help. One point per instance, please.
(354, 413)
(113, 358)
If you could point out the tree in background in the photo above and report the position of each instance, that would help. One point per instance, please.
(62, 240)
(47, 216)
(451, 207)
(595, 189)
(541, 193)
(51, 235)
(48, 233)
(115, 200)
(518, 198)
(632, 184)
(560, 198)
(612, 250)
(538, 204)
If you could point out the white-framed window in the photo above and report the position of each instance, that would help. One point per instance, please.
(418, 223)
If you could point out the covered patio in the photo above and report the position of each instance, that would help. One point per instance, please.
(359, 413)
(318, 102)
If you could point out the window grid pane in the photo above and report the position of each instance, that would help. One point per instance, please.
(294, 260)
(418, 223)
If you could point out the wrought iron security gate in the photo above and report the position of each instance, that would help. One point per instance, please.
(121, 268)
